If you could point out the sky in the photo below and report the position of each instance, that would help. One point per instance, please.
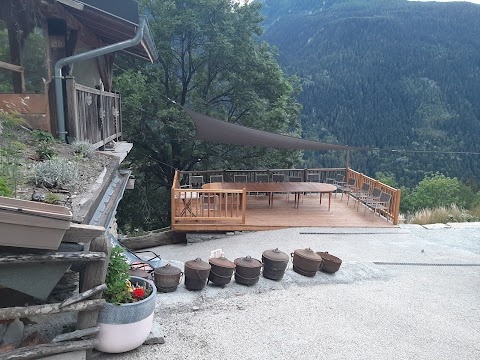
(472, 1)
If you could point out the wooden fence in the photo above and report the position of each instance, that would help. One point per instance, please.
(204, 205)
(394, 210)
(325, 175)
(92, 115)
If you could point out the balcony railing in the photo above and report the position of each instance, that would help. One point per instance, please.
(92, 115)
(180, 212)
(204, 205)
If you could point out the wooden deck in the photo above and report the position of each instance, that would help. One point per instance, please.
(283, 215)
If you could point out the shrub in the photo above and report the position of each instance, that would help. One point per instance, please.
(45, 151)
(55, 172)
(43, 136)
(51, 198)
(119, 288)
(437, 191)
(4, 188)
(83, 148)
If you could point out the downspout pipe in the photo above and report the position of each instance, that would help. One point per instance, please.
(85, 56)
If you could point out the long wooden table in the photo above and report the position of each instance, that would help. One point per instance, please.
(278, 187)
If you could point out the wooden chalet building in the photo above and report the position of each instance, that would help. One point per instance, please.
(56, 63)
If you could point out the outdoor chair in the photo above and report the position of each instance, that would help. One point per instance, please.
(347, 188)
(383, 204)
(372, 198)
(196, 182)
(240, 178)
(339, 181)
(361, 194)
(261, 178)
(216, 178)
(187, 197)
(339, 178)
(293, 179)
(313, 177)
(278, 177)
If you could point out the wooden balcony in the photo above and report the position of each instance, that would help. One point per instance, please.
(92, 115)
(210, 209)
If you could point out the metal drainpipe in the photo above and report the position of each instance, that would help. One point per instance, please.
(84, 56)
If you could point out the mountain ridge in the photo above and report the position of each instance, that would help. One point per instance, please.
(400, 75)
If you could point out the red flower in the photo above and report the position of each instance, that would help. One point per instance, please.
(138, 293)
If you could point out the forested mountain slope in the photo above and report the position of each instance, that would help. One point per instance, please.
(389, 75)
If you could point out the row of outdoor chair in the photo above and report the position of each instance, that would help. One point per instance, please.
(196, 181)
(375, 199)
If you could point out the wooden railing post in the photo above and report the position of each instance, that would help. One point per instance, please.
(396, 210)
(72, 113)
(244, 205)
(94, 275)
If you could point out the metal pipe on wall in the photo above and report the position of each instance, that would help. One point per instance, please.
(85, 56)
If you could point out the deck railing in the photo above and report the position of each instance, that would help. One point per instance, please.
(394, 210)
(92, 115)
(325, 174)
(207, 205)
(228, 175)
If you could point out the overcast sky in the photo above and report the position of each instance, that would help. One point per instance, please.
(472, 1)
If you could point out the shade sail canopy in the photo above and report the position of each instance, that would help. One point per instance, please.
(213, 130)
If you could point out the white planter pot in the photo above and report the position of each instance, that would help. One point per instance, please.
(125, 327)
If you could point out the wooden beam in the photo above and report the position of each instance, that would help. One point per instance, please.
(82, 296)
(12, 67)
(40, 351)
(58, 11)
(76, 334)
(46, 309)
(57, 257)
(93, 276)
(81, 233)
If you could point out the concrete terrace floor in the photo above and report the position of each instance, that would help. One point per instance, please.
(364, 311)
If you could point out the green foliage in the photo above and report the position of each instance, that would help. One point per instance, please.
(10, 149)
(5, 189)
(117, 278)
(211, 62)
(385, 74)
(55, 172)
(45, 151)
(437, 191)
(34, 53)
(42, 135)
(51, 198)
(84, 149)
(387, 179)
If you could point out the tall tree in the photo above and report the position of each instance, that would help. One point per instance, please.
(210, 61)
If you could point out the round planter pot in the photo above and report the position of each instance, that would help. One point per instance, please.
(125, 327)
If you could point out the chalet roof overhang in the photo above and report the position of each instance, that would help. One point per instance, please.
(218, 131)
(113, 22)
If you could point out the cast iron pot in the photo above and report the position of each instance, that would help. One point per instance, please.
(274, 264)
(167, 278)
(306, 262)
(330, 263)
(196, 274)
(221, 271)
(247, 271)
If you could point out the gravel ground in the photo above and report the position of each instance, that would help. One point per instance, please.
(364, 311)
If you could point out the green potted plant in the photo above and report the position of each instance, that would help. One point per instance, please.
(127, 318)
